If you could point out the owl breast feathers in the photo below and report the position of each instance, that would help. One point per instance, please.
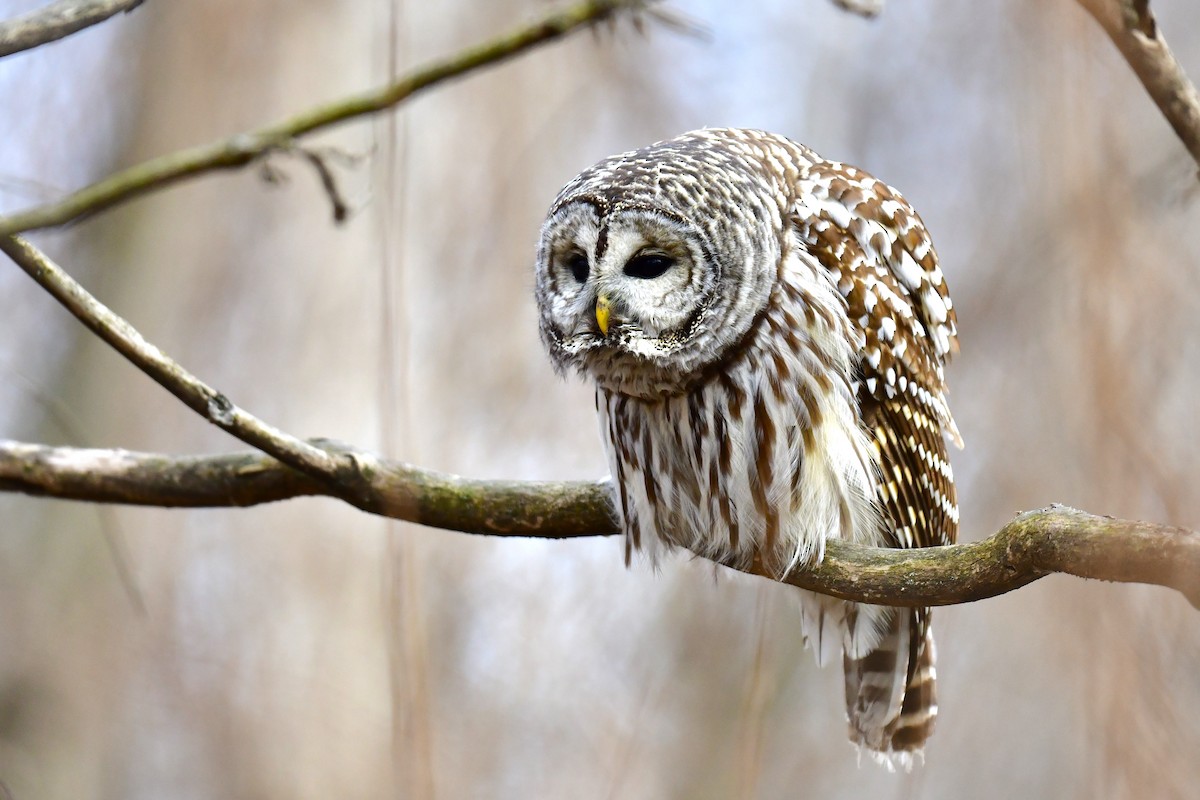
(766, 331)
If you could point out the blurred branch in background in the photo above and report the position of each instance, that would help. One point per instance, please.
(863, 8)
(1129, 23)
(243, 148)
(56, 21)
(1033, 545)
(1133, 29)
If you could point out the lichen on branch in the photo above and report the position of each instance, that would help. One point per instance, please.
(1031, 546)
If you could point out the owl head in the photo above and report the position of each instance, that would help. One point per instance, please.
(652, 264)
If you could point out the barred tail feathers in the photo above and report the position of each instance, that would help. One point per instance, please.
(891, 700)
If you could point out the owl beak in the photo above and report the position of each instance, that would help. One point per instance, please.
(603, 310)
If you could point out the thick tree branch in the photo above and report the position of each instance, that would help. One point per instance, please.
(1133, 29)
(243, 148)
(56, 21)
(1031, 546)
(556, 510)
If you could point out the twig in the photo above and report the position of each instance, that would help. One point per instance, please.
(1031, 546)
(195, 394)
(328, 182)
(863, 8)
(241, 149)
(318, 158)
(1133, 29)
(56, 21)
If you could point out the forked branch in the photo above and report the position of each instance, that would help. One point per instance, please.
(195, 394)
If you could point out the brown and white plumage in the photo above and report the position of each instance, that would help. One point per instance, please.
(767, 332)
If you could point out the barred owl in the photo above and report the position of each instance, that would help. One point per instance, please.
(766, 331)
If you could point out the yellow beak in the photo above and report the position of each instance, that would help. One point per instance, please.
(603, 309)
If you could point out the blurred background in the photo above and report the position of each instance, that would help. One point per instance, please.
(305, 650)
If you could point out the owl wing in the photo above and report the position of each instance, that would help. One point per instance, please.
(880, 255)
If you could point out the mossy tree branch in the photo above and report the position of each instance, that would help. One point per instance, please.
(1033, 545)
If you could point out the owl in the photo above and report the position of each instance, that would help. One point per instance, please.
(766, 331)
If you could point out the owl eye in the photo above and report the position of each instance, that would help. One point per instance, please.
(648, 265)
(577, 263)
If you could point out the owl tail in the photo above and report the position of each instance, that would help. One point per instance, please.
(891, 701)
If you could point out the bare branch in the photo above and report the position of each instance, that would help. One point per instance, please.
(243, 148)
(195, 394)
(328, 182)
(319, 159)
(56, 21)
(1133, 29)
(1031, 546)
